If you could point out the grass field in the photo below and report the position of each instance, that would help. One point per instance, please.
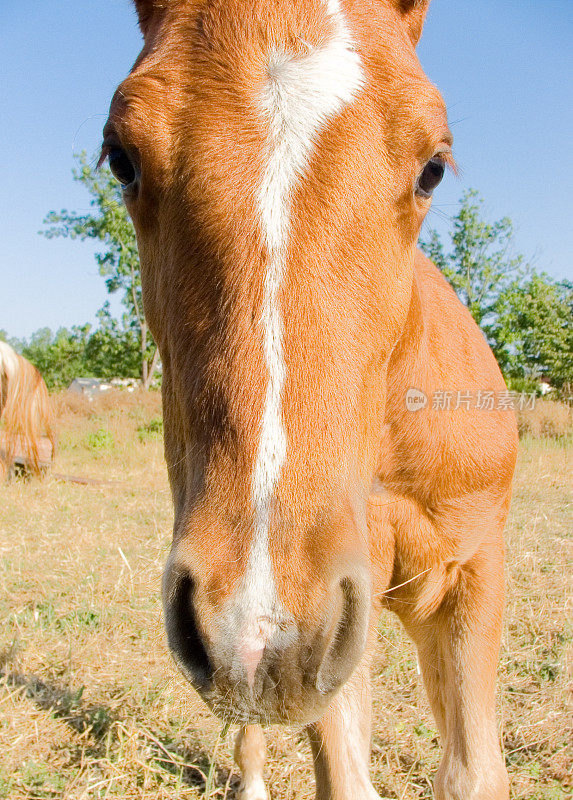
(92, 707)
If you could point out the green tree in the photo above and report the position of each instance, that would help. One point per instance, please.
(14, 343)
(112, 350)
(60, 357)
(534, 330)
(118, 262)
(526, 316)
(478, 262)
(106, 352)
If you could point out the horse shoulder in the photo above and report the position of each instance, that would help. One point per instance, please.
(451, 445)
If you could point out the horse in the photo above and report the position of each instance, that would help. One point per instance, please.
(329, 445)
(25, 411)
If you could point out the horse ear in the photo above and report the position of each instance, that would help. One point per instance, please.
(146, 9)
(413, 13)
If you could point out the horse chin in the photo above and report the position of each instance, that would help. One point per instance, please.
(248, 709)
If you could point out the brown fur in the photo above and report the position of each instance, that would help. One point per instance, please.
(25, 411)
(419, 498)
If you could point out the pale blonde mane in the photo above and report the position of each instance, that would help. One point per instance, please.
(26, 412)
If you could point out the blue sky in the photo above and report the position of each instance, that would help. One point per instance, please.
(505, 68)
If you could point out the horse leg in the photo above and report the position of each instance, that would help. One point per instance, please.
(458, 648)
(340, 743)
(250, 755)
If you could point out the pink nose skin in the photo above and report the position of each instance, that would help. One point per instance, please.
(252, 646)
(251, 659)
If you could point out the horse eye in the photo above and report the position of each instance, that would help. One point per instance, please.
(121, 166)
(431, 176)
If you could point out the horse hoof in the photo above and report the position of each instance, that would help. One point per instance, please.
(254, 790)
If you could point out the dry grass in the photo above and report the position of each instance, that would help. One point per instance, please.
(546, 418)
(91, 706)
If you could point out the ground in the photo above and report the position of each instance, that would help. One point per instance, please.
(91, 705)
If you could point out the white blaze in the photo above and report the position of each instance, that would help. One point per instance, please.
(301, 95)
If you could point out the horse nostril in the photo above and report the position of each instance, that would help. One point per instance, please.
(182, 631)
(349, 639)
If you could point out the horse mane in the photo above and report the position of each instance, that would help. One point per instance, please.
(25, 409)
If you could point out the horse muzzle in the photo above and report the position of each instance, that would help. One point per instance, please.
(271, 668)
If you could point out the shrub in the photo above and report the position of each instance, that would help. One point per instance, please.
(100, 440)
(151, 430)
